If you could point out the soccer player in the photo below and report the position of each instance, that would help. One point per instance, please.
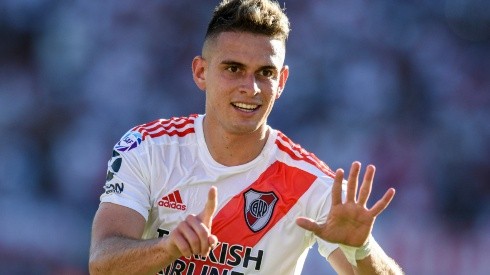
(223, 192)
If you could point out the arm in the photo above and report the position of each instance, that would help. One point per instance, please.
(377, 262)
(350, 223)
(117, 248)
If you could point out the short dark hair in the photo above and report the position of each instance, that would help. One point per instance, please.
(255, 16)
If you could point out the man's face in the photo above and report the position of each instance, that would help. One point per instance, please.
(242, 74)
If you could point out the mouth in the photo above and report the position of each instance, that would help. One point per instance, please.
(244, 107)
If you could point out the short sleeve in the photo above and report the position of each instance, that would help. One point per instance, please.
(127, 181)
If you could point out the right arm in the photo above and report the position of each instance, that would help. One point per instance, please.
(117, 247)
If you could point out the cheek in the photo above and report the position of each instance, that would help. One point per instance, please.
(216, 97)
(271, 99)
(271, 90)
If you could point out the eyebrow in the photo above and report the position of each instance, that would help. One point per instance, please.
(231, 62)
(241, 65)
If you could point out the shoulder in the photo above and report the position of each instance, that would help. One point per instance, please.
(160, 131)
(175, 126)
(304, 171)
(293, 154)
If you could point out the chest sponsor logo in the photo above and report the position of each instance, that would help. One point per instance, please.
(220, 261)
(259, 207)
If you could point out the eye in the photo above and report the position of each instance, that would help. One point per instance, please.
(232, 69)
(267, 73)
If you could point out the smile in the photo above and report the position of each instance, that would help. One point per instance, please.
(246, 107)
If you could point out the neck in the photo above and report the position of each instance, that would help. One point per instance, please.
(234, 149)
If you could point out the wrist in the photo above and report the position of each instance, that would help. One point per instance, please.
(167, 251)
(353, 254)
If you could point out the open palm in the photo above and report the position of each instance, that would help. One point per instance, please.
(350, 222)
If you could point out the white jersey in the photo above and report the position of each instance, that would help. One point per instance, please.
(164, 171)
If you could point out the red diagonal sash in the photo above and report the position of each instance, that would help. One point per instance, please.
(229, 225)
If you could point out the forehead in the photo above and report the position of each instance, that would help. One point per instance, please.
(246, 48)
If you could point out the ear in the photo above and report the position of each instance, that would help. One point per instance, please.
(283, 77)
(198, 72)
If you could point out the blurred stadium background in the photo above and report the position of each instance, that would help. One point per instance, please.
(401, 84)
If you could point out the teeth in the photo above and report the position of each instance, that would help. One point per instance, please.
(246, 106)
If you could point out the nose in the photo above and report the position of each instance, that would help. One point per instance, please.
(249, 85)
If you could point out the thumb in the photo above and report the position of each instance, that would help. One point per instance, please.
(308, 224)
(211, 205)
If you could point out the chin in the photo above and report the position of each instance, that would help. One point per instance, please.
(244, 129)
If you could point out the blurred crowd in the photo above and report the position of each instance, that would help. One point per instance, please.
(404, 85)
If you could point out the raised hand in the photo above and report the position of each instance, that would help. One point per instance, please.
(193, 235)
(350, 222)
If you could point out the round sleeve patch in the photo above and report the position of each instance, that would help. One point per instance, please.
(129, 141)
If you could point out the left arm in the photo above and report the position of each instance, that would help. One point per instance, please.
(377, 262)
(350, 224)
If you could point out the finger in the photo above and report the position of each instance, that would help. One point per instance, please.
(352, 181)
(182, 245)
(211, 205)
(212, 242)
(191, 236)
(308, 224)
(366, 186)
(381, 205)
(199, 243)
(337, 187)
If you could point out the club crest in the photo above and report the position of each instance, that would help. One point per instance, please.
(258, 208)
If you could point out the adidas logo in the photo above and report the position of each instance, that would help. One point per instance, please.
(172, 200)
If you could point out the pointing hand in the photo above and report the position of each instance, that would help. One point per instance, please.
(193, 235)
